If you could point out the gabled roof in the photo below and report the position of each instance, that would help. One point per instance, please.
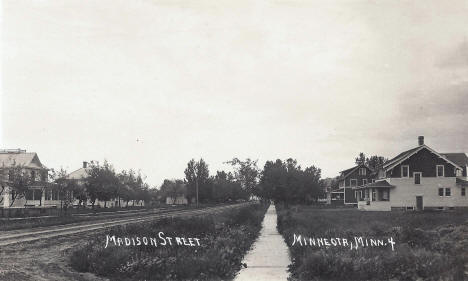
(347, 172)
(458, 158)
(390, 164)
(400, 156)
(81, 173)
(26, 159)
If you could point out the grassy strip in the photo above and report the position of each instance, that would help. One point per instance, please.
(224, 239)
(429, 245)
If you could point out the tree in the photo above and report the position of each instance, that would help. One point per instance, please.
(226, 188)
(173, 189)
(19, 182)
(101, 183)
(64, 187)
(361, 159)
(197, 175)
(287, 182)
(372, 162)
(375, 161)
(246, 173)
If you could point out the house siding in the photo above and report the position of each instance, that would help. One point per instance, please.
(350, 197)
(423, 161)
(405, 192)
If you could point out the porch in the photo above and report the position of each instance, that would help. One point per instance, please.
(374, 196)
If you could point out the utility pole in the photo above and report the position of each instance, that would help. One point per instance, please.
(196, 184)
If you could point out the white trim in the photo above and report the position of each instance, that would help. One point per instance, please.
(414, 178)
(445, 192)
(401, 171)
(437, 171)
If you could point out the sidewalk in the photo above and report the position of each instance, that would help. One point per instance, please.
(269, 257)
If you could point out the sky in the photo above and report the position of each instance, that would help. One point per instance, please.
(151, 84)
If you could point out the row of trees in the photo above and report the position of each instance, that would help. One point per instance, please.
(199, 186)
(101, 183)
(280, 180)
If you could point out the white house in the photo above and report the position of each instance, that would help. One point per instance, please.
(417, 179)
(31, 166)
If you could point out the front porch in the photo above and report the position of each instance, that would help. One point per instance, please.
(374, 196)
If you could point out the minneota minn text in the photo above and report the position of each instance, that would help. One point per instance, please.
(160, 240)
(354, 243)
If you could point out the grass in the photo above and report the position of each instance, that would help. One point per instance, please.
(429, 245)
(224, 238)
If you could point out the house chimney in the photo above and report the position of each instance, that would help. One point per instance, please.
(421, 140)
(85, 164)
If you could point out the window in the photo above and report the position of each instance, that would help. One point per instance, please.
(361, 195)
(463, 191)
(385, 196)
(362, 171)
(353, 182)
(374, 195)
(417, 178)
(458, 172)
(405, 171)
(364, 181)
(33, 175)
(448, 192)
(440, 170)
(366, 194)
(441, 192)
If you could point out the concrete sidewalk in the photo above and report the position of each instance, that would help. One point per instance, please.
(269, 257)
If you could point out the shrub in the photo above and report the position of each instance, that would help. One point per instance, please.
(225, 240)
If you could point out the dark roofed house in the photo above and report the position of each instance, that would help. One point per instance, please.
(350, 178)
(417, 179)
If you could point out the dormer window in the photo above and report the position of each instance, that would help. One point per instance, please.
(362, 171)
(405, 171)
(440, 170)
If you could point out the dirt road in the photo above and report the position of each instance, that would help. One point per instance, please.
(42, 254)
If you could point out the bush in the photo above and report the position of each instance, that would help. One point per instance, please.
(225, 239)
(437, 250)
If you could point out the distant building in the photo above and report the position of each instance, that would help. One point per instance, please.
(327, 189)
(349, 179)
(31, 166)
(417, 179)
(80, 176)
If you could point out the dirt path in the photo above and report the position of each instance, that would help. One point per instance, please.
(43, 260)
